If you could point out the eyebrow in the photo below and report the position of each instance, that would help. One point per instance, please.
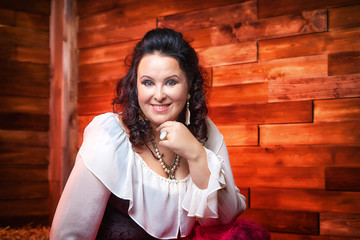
(146, 76)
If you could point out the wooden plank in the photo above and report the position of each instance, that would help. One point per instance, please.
(287, 236)
(305, 200)
(101, 71)
(344, 17)
(284, 221)
(7, 17)
(310, 133)
(94, 105)
(32, 21)
(285, 112)
(228, 54)
(11, 190)
(25, 138)
(13, 154)
(108, 53)
(310, 44)
(240, 135)
(35, 173)
(24, 121)
(340, 224)
(147, 7)
(32, 54)
(111, 34)
(29, 105)
(342, 178)
(20, 71)
(27, 207)
(282, 7)
(38, 6)
(24, 88)
(97, 88)
(209, 17)
(337, 110)
(254, 93)
(23, 36)
(295, 156)
(280, 177)
(341, 86)
(262, 71)
(344, 63)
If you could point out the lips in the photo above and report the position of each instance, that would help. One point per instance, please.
(160, 108)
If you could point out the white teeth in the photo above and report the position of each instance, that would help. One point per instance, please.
(160, 107)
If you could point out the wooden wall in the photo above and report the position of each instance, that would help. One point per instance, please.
(24, 115)
(285, 78)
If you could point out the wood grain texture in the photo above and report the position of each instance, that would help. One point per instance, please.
(7, 17)
(305, 200)
(22, 36)
(262, 71)
(12, 190)
(337, 110)
(287, 236)
(254, 93)
(20, 71)
(26, 207)
(32, 54)
(310, 44)
(280, 177)
(24, 88)
(25, 138)
(21, 121)
(101, 71)
(32, 21)
(30, 173)
(108, 53)
(95, 105)
(295, 156)
(287, 112)
(344, 17)
(30, 105)
(240, 135)
(38, 7)
(284, 221)
(340, 224)
(344, 63)
(228, 54)
(342, 133)
(205, 18)
(342, 178)
(282, 7)
(147, 7)
(342, 86)
(97, 88)
(12, 154)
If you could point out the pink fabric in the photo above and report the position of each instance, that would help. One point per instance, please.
(243, 229)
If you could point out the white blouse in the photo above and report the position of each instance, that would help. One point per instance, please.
(162, 207)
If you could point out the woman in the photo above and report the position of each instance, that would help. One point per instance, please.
(161, 165)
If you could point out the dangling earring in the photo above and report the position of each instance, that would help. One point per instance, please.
(187, 113)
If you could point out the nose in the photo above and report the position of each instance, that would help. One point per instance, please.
(159, 94)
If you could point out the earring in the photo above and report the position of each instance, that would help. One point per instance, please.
(187, 113)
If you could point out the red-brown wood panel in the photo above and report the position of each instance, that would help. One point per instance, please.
(342, 133)
(337, 110)
(240, 134)
(342, 178)
(342, 86)
(344, 63)
(340, 224)
(262, 71)
(344, 17)
(310, 44)
(101, 71)
(284, 221)
(288, 112)
(305, 200)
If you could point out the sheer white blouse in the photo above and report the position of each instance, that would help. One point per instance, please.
(107, 162)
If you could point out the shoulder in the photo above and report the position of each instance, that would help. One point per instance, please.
(215, 138)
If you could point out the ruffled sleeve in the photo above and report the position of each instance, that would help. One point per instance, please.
(221, 202)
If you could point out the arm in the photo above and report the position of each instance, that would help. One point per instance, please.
(81, 207)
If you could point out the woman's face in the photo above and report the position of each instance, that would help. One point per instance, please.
(162, 88)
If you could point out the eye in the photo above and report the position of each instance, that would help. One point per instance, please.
(147, 83)
(171, 82)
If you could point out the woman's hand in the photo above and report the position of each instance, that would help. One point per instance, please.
(181, 141)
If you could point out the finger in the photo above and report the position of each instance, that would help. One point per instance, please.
(165, 125)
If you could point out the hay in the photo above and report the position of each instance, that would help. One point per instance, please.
(25, 233)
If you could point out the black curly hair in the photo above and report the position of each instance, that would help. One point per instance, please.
(170, 43)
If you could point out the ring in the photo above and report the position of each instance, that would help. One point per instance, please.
(163, 135)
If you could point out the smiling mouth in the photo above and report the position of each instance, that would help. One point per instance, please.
(160, 107)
